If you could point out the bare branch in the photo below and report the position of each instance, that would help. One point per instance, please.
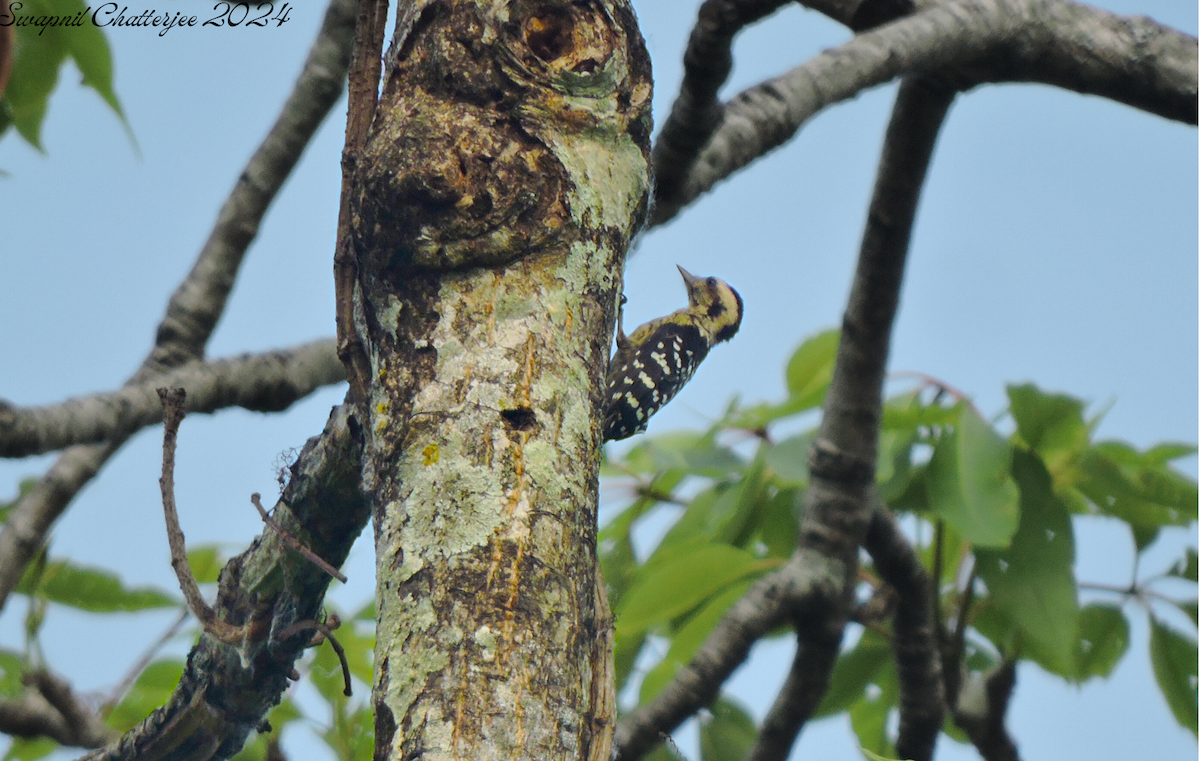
(802, 691)
(49, 708)
(263, 591)
(914, 643)
(707, 62)
(838, 507)
(200, 299)
(696, 112)
(981, 713)
(1133, 60)
(364, 89)
(267, 382)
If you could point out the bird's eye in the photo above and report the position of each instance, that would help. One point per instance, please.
(711, 282)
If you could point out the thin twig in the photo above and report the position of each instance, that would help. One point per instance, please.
(295, 543)
(930, 381)
(173, 412)
(327, 632)
(952, 657)
(1130, 591)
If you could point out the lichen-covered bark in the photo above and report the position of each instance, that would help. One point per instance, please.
(506, 171)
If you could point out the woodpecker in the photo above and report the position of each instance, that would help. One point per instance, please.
(656, 360)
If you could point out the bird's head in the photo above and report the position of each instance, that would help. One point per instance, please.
(718, 307)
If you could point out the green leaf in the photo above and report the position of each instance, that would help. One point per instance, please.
(352, 736)
(789, 458)
(779, 522)
(24, 749)
(1173, 657)
(34, 75)
(39, 55)
(89, 49)
(692, 453)
(682, 580)
(688, 639)
(893, 467)
(969, 485)
(728, 734)
(735, 526)
(92, 589)
(1032, 581)
(1143, 536)
(723, 513)
(853, 672)
(757, 417)
(152, 688)
(625, 656)
(906, 413)
(1103, 640)
(1127, 484)
(1052, 425)
(1189, 608)
(875, 756)
(700, 517)
(810, 368)
(1166, 452)
(12, 667)
(869, 716)
(206, 562)
(663, 753)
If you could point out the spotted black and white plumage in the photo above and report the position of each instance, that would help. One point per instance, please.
(652, 364)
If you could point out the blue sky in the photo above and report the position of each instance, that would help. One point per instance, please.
(1056, 243)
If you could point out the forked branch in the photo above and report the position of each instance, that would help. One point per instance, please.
(200, 299)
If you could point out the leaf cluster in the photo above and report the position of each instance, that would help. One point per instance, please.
(991, 513)
(39, 53)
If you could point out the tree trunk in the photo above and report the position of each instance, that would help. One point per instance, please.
(505, 173)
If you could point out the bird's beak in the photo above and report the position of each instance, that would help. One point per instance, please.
(690, 280)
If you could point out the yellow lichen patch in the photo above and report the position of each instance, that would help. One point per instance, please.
(383, 407)
(431, 454)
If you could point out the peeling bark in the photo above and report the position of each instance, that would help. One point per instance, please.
(505, 174)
